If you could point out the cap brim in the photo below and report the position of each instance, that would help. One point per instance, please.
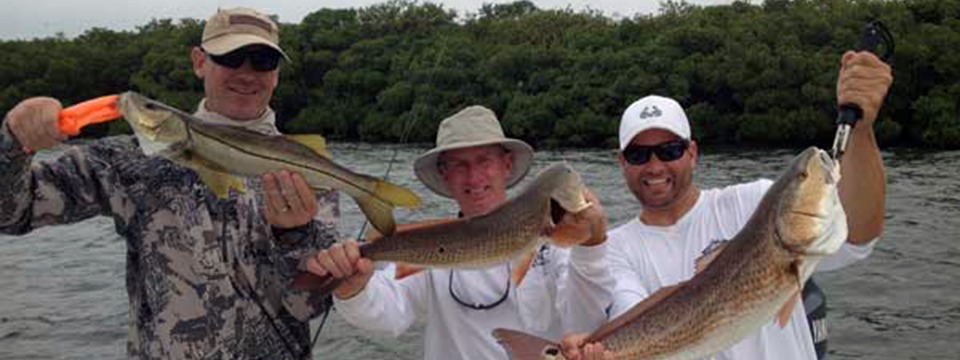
(425, 166)
(227, 43)
(640, 130)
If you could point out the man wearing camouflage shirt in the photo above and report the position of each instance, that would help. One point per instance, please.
(206, 277)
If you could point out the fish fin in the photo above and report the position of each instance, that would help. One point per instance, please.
(709, 254)
(378, 208)
(565, 235)
(786, 311)
(635, 312)
(783, 315)
(315, 142)
(221, 183)
(522, 266)
(215, 177)
(404, 269)
(379, 213)
(521, 346)
(396, 195)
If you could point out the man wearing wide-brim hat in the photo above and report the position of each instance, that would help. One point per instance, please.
(474, 164)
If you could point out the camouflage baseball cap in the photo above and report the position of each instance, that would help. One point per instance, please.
(231, 29)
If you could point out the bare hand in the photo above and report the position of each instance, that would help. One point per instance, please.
(586, 228)
(864, 80)
(34, 123)
(343, 261)
(573, 348)
(289, 202)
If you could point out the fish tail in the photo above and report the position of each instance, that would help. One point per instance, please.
(378, 207)
(395, 195)
(521, 346)
(379, 213)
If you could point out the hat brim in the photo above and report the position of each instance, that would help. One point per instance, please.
(672, 130)
(425, 166)
(230, 42)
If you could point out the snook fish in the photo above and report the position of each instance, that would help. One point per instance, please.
(219, 153)
(760, 271)
(518, 226)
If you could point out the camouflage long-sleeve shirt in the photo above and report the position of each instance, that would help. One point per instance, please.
(206, 278)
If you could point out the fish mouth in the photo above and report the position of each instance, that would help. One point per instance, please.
(830, 167)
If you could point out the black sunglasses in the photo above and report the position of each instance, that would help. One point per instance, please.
(668, 151)
(261, 59)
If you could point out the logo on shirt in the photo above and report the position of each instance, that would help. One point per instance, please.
(541, 259)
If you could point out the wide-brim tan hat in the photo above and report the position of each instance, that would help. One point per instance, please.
(473, 126)
(231, 29)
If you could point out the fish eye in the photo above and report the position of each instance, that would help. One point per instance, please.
(551, 352)
(441, 250)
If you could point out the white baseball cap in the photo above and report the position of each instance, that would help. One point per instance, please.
(653, 112)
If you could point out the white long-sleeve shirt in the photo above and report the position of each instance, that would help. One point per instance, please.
(645, 258)
(565, 290)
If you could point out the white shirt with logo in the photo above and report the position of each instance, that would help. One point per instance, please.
(645, 258)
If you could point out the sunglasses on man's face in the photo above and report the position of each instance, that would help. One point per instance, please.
(668, 151)
(261, 59)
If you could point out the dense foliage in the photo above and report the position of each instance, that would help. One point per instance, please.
(761, 74)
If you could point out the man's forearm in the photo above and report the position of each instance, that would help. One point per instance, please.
(863, 186)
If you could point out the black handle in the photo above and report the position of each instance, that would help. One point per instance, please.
(874, 34)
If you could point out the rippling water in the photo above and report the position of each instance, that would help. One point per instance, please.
(62, 292)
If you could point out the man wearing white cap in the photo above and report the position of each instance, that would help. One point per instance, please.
(206, 277)
(564, 290)
(678, 222)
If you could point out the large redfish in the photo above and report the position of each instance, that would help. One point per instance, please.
(757, 276)
(513, 229)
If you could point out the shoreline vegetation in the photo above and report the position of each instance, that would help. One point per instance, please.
(760, 74)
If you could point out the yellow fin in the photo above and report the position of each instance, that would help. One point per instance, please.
(396, 195)
(215, 177)
(378, 213)
(378, 206)
(220, 183)
(315, 142)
